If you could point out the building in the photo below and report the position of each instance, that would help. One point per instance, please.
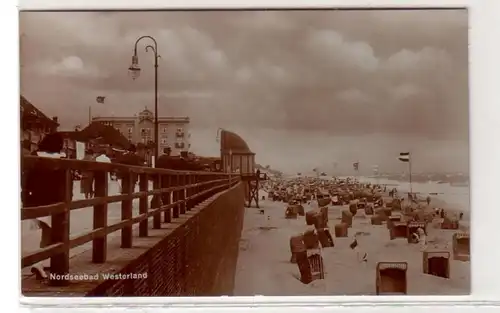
(173, 132)
(236, 156)
(95, 135)
(34, 125)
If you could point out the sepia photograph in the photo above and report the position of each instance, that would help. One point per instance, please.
(291, 152)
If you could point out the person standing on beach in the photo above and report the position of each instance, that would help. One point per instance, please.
(428, 199)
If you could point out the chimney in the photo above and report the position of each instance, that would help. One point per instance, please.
(54, 118)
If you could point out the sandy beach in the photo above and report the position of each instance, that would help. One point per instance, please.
(264, 266)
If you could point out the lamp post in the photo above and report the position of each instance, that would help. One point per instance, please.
(135, 70)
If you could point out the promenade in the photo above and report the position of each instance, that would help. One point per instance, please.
(80, 222)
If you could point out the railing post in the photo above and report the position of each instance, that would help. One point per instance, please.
(189, 191)
(143, 204)
(202, 188)
(165, 183)
(99, 245)
(175, 195)
(157, 203)
(127, 188)
(182, 193)
(59, 263)
(197, 181)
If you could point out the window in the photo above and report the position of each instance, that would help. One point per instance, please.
(129, 137)
(180, 133)
(164, 141)
(164, 130)
(130, 130)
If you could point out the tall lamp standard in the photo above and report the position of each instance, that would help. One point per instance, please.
(135, 71)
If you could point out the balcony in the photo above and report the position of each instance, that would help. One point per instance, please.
(179, 134)
(180, 145)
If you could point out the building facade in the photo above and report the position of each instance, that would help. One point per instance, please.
(34, 126)
(173, 132)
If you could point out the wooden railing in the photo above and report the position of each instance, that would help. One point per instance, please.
(180, 191)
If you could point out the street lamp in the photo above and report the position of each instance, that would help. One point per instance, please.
(135, 71)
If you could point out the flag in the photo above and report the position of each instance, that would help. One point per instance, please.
(404, 157)
(100, 99)
(355, 165)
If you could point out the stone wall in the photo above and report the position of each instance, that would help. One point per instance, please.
(198, 258)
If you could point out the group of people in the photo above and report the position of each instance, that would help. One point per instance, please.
(40, 185)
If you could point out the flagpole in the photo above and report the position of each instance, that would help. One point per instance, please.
(90, 114)
(357, 171)
(409, 167)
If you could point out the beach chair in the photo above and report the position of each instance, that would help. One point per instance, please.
(392, 219)
(369, 209)
(311, 217)
(324, 200)
(436, 263)
(296, 246)
(376, 220)
(347, 218)
(341, 230)
(316, 265)
(353, 207)
(300, 210)
(325, 238)
(391, 278)
(324, 213)
(387, 211)
(461, 246)
(449, 223)
(311, 239)
(398, 230)
(291, 212)
(413, 228)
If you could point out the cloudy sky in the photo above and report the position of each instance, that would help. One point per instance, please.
(304, 88)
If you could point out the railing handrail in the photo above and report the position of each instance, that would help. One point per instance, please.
(182, 190)
(31, 161)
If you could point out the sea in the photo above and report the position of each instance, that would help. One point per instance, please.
(457, 197)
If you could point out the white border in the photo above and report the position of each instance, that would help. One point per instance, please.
(485, 151)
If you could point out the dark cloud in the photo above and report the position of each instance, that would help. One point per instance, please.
(334, 73)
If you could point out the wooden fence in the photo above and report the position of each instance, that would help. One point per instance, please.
(180, 191)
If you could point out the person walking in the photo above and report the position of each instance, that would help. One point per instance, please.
(87, 181)
(45, 186)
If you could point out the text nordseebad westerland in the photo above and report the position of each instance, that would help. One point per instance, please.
(98, 276)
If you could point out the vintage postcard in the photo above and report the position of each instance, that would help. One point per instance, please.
(241, 153)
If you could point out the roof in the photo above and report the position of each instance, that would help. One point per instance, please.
(30, 113)
(231, 142)
(104, 133)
